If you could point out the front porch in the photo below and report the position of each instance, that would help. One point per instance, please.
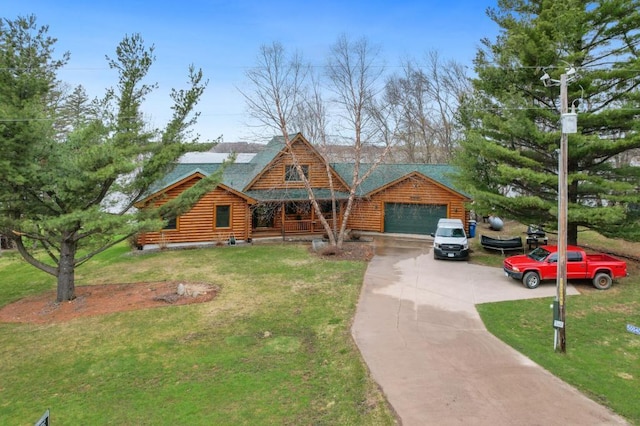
(290, 218)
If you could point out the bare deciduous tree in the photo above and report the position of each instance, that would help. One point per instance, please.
(425, 100)
(278, 82)
(354, 75)
(281, 99)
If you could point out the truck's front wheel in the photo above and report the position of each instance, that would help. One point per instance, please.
(602, 281)
(531, 279)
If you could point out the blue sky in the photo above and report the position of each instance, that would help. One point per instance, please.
(223, 38)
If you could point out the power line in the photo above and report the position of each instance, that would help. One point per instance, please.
(218, 66)
(494, 109)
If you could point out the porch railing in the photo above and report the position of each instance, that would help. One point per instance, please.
(298, 226)
(303, 226)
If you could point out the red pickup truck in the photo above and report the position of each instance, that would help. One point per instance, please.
(542, 264)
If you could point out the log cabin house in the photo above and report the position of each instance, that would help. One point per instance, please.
(265, 196)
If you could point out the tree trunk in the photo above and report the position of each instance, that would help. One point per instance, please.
(572, 228)
(572, 234)
(66, 270)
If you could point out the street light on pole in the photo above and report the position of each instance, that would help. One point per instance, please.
(569, 125)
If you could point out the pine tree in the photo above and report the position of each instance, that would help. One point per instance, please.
(509, 158)
(68, 195)
(74, 110)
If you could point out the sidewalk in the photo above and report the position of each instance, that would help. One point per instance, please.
(419, 332)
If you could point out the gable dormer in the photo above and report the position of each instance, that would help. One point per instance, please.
(279, 171)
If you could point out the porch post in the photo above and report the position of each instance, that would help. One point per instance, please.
(282, 211)
(249, 224)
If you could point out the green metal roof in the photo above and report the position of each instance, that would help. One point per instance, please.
(385, 174)
(182, 171)
(298, 194)
(267, 155)
(238, 175)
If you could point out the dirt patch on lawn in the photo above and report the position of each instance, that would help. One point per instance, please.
(103, 299)
(358, 251)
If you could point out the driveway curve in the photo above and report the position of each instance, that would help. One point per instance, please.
(419, 333)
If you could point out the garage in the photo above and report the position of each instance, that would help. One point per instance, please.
(422, 219)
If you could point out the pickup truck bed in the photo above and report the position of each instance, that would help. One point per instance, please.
(600, 257)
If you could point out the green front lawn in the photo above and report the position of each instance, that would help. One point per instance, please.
(273, 348)
(602, 358)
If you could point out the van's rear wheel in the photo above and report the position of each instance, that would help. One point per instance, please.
(602, 281)
(531, 280)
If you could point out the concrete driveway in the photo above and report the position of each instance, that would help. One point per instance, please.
(419, 332)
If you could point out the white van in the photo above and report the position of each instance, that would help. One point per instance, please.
(450, 240)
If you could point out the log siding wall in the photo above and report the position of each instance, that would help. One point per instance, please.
(274, 175)
(368, 215)
(198, 224)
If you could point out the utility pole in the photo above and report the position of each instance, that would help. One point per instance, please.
(563, 201)
(569, 125)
